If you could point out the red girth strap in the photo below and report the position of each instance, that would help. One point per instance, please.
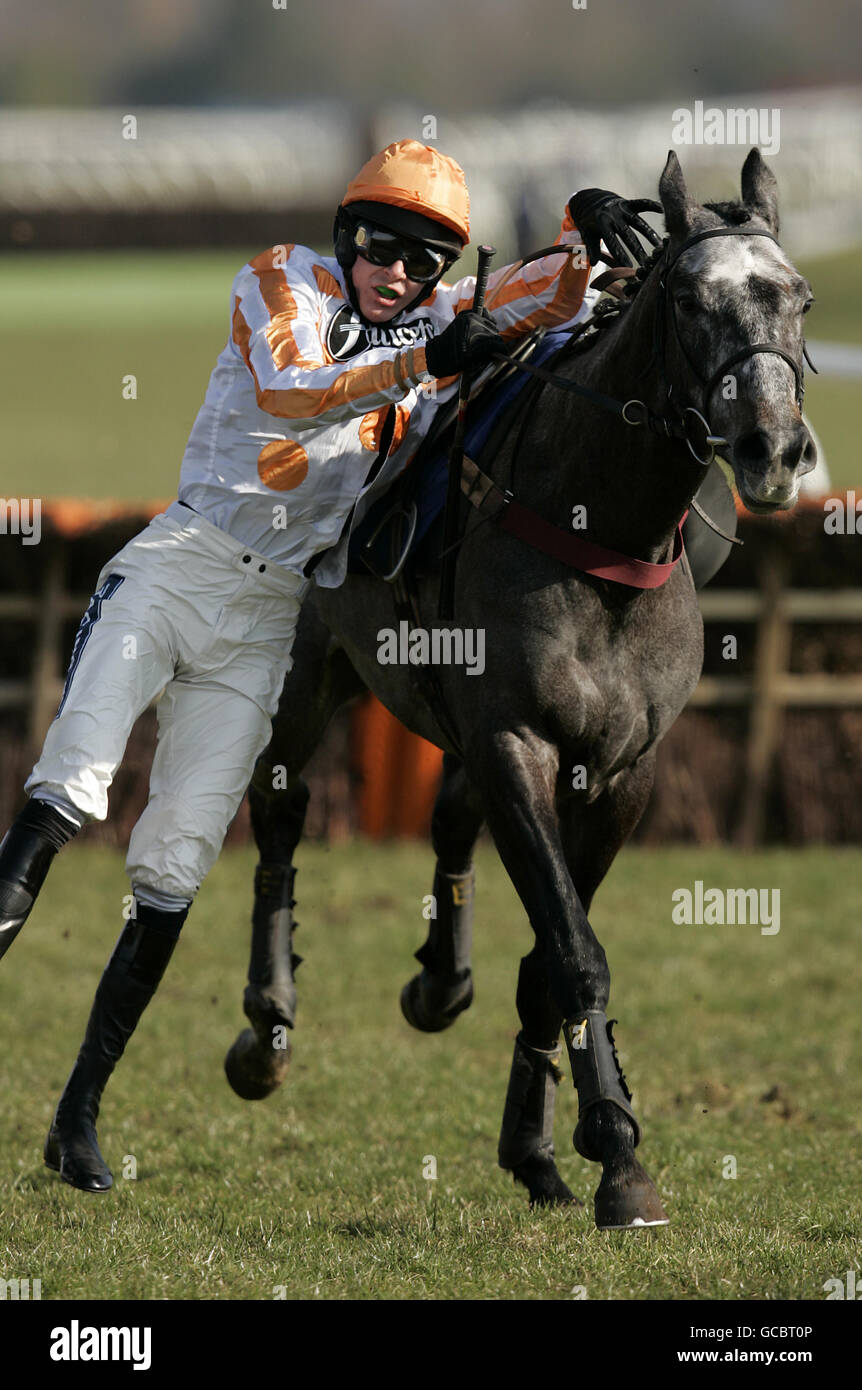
(552, 540)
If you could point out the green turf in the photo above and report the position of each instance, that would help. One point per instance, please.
(74, 326)
(833, 405)
(319, 1191)
(833, 408)
(836, 315)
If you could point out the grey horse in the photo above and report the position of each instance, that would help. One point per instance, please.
(554, 745)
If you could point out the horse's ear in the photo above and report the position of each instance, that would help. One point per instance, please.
(760, 189)
(678, 207)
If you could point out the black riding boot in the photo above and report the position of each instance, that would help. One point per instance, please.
(26, 853)
(129, 982)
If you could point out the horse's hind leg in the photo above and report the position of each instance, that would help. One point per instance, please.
(526, 1145)
(258, 1060)
(322, 678)
(432, 1000)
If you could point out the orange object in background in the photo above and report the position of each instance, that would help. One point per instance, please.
(400, 774)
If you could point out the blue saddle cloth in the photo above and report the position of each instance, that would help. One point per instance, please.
(429, 491)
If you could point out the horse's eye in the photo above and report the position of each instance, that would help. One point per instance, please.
(807, 305)
(687, 303)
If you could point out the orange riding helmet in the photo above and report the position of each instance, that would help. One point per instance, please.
(410, 189)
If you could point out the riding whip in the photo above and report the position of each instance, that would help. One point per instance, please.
(446, 603)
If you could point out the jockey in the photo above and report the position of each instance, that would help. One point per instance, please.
(318, 400)
(322, 347)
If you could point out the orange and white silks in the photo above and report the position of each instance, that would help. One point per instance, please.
(293, 412)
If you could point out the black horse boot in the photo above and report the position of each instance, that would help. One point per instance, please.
(626, 1197)
(433, 1000)
(128, 983)
(258, 1061)
(597, 1073)
(526, 1147)
(26, 853)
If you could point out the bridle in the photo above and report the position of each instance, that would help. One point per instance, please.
(684, 423)
(667, 309)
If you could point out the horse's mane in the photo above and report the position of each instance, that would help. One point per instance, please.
(609, 311)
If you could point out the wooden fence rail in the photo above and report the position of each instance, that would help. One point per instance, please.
(772, 609)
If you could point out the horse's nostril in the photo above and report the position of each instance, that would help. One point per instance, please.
(809, 453)
(753, 449)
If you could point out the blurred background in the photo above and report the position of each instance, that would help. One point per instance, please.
(147, 151)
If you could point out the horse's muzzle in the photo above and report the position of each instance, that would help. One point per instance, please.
(769, 465)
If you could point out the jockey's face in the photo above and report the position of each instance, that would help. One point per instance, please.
(382, 290)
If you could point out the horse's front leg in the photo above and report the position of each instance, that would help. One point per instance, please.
(526, 1146)
(517, 774)
(592, 836)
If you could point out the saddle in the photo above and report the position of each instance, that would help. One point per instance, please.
(404, 527)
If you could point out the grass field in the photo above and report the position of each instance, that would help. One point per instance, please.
(73, 326)
(735, 1043)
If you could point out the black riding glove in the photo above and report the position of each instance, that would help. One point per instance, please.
(598, 215)
(465, 345)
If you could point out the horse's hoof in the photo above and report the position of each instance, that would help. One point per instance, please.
(628, 1206)
(78, 1159)
(432, 1006)
(546, 1188)
(253, 1071)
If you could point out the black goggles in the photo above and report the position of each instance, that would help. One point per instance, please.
(421, 262)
